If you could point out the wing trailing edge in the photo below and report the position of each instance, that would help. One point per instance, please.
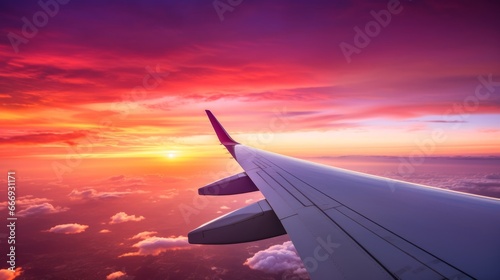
(254, 222)
(235, 184)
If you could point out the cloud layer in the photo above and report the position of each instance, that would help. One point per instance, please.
(94, 194)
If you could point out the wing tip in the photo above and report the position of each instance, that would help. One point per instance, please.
(222, 134)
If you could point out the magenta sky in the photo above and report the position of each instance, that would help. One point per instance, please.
(418, 73)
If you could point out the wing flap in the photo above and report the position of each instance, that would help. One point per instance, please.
(235, 184)
(254, 222)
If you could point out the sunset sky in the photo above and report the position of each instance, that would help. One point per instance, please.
(104, 101)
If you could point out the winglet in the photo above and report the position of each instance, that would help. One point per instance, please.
(224, 137)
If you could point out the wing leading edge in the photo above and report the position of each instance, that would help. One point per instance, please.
(349, 225)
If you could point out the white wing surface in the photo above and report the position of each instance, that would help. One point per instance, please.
(350, 225)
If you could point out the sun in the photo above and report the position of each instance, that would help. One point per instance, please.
(171, 154)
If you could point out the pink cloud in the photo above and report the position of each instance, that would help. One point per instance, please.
(68, 228)
(122, 217)
(44, 208)
(104, 231)
(156, 245)
(277, 258)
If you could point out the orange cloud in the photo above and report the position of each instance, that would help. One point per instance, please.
(116, 275)
(143, 235)
(6, 274)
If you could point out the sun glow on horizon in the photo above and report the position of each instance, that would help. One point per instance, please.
(171, 154)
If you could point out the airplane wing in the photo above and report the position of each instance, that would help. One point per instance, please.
(350, 225)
